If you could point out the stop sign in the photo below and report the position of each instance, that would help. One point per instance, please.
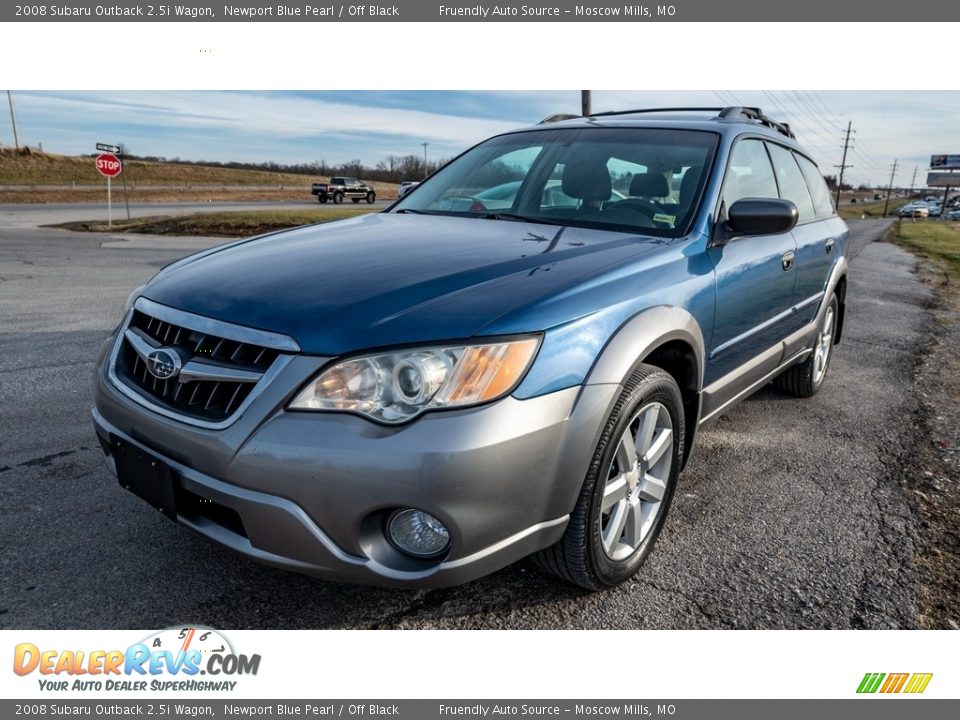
(108, 165)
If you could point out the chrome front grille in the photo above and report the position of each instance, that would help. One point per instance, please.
(191, 367)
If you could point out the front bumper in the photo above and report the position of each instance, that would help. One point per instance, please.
(310, 492)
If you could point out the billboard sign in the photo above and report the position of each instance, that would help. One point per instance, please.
(945, 162)
(943, 180)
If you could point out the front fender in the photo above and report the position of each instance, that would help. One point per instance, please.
(640, 336)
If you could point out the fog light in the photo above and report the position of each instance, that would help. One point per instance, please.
(417, 533)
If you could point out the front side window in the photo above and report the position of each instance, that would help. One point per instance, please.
(792, 185)
(605, 178)
(749, 173)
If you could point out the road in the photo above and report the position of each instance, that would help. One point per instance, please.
(792, 514)
(30, 216)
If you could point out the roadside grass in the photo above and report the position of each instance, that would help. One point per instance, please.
(67, 178)
(242, 223)
(872, 209)
(935, 240)
(51, 169)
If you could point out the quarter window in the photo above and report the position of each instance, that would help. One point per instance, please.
(822, 201)
(792, 185)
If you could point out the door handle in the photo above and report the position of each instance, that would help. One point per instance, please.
(830, 246)
(786, 260)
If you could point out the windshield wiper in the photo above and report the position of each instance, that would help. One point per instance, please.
(520, 218)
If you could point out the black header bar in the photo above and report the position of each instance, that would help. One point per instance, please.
(860, 11)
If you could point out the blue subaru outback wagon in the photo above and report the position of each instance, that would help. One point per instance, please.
(514, 359)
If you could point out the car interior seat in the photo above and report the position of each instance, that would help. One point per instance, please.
(588, 180)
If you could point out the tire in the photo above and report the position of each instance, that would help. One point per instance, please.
(322, 198)
(593, 553)
(371, 198)
(805, 379)
(337, 198)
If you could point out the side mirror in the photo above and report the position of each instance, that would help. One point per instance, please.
(759, 216)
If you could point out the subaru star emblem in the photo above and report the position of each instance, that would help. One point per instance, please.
(163, 364)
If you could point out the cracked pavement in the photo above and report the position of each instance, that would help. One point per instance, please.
(791, 514)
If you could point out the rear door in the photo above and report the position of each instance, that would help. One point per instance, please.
(819, 247)
(812, 233)
(754, 285)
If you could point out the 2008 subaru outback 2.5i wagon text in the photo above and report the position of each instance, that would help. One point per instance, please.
(512, 360)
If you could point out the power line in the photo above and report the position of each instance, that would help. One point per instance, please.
(818, 103)
(724, 100)
(812, 113)
(864, 160)
(797, 122)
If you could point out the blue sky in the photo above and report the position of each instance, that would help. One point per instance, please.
(290, 127)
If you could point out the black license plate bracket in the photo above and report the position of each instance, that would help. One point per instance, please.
(145, 475)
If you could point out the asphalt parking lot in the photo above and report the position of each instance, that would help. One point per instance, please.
(792, 514)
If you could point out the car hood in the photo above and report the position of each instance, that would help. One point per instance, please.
(388, 279)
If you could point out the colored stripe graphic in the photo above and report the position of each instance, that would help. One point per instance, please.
(894, 683)
(870, 682)
(918, 682)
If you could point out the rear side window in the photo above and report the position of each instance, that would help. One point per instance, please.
(822, 201)
(792, 185)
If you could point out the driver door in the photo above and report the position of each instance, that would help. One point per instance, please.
(755, 278)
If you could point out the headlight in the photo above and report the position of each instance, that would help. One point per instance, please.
(398, 386)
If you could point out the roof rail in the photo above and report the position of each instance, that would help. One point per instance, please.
(732, 112)
(755, 113)
(558, 117)
(608, 113)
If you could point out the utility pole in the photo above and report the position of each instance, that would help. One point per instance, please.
(886, 204)
(13, 121)
(913, 180)
(585, 103)
(424, 159)
(843, 163)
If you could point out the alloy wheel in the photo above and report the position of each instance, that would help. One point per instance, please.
(821, 354)
(636, 481)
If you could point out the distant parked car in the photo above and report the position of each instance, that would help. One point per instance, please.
(406, 186)
(343, 187)
(952, 214)
(917, 209)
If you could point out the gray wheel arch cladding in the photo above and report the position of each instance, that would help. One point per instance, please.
(639, 339)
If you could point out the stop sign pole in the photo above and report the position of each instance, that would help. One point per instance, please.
(109, 166)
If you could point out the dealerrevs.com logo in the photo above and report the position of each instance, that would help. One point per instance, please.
(887, 684)
(178, 659)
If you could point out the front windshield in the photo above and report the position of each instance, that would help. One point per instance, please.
(621, 179)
